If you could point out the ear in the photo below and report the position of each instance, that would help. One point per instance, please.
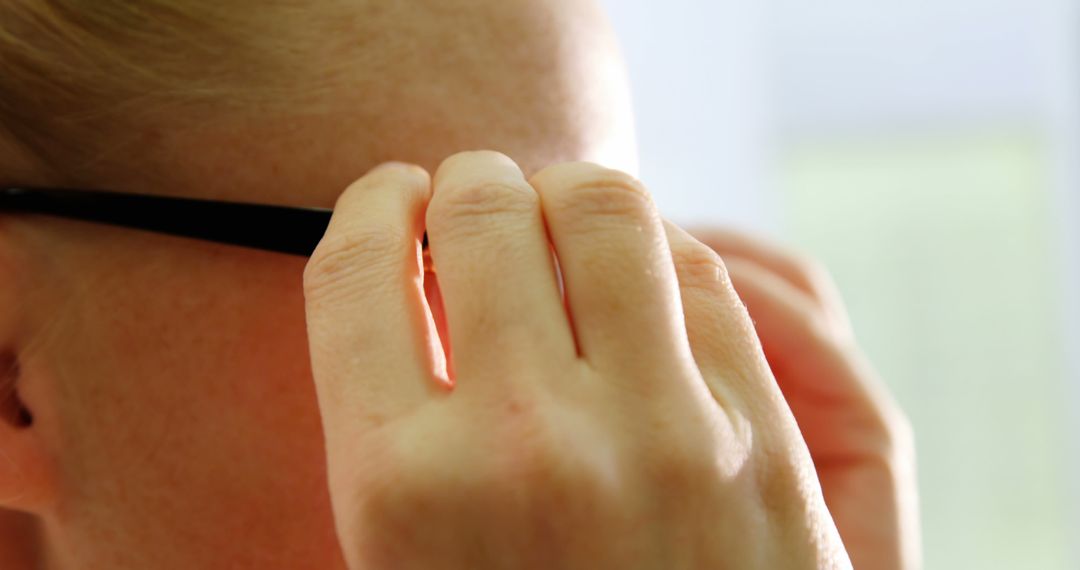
(25, 466)
(27, 474)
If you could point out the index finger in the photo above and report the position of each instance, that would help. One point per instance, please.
(374, 349)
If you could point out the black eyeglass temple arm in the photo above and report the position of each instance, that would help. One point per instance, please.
(280, 229)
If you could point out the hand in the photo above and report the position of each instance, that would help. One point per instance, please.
(860, 440)
(609, 432)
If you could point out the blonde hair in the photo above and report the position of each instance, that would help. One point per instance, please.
(71, 70)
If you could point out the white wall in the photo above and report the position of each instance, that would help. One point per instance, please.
(696, 70)
(855, 65)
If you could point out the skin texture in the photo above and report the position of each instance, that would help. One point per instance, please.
(639, 429)
(175, 419)
(861, 442)
(170, 379)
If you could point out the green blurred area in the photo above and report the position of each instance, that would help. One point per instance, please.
(943, 248)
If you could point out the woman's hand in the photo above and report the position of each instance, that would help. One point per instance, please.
(860, 441)
(603, 431)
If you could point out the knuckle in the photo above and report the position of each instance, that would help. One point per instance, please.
(472, 157)
(539, 465)
(607, 192)
(486, 198)
(780, 482)
(479, 201)
(700, 267)
(397, 500)
(347, 257)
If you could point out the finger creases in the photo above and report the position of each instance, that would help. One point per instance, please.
(825, 379)
(801, 272)
(722, 336)
(370, 332)
(800, 343)
(619, 281)
(496, 271)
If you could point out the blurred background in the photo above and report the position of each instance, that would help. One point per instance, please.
(927, 151)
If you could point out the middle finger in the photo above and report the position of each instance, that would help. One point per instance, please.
(495, 269)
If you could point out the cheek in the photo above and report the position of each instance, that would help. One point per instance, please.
(223, 344)
(193, 376)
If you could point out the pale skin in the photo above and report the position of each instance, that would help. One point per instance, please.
(617, 432)
(178, 421)
(861, 442)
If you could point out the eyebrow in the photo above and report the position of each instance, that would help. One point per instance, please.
(282, 229)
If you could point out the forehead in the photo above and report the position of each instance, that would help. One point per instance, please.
(539, 81)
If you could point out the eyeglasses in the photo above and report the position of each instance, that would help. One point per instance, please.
(280, 229)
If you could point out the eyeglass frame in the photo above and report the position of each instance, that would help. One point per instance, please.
(280, 229)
